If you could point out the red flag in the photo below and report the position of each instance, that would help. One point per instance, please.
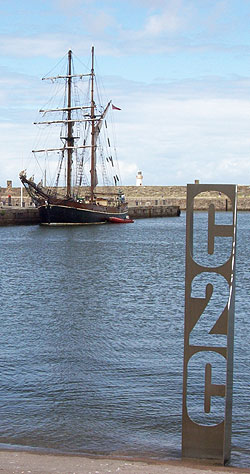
(115, 108)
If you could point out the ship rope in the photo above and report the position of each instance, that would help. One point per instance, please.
(103, 168)
(83, 157)
(59, 169)
(111, 150)
(113, 131)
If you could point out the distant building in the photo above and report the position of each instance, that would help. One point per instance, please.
(139, 178)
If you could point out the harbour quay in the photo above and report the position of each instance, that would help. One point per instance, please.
(18, 215)
(16, 206)
(160, 196)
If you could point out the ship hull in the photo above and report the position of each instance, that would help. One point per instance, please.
(67, 215)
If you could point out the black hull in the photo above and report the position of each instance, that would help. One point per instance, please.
(53, 214)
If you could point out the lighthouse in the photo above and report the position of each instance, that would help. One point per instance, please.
(139, 178)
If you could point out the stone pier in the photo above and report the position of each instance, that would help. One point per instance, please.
(143, 201)
(141, 197)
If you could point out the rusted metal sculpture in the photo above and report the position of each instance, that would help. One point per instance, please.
(209, 329)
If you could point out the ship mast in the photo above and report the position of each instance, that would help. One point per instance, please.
(93, 144)
(96, 125)
(70, 139)
(70, 120)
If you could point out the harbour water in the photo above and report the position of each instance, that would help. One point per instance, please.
(91, 341)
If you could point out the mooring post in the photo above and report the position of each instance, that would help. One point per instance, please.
(209, 332)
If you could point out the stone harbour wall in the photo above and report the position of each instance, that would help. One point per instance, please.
(19, 216)
(29, 215)
(153, 211)
(142, 197)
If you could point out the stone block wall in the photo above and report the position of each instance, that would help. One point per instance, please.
(141, 196)
(19, 216)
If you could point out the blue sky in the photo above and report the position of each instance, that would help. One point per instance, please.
(179, 70)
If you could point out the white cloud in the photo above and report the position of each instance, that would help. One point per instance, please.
(70, 6)
(157, 24)
(128, 169)
(55, 45)
(50, 45)
(171, 19)
(162, 20)
(174, 132)
(174, 135)
(176, 141)
(98, 22)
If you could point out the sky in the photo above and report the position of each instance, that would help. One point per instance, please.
(178, 69)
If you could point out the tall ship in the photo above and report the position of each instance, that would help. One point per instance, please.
(73, 197)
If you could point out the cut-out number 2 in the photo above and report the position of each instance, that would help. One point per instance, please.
(215, 288)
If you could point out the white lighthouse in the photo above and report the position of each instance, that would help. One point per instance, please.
(139, 178)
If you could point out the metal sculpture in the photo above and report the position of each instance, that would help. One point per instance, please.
(209, 328)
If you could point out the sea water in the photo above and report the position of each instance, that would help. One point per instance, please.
(91, 340)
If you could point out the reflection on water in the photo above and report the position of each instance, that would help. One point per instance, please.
(92, 338)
